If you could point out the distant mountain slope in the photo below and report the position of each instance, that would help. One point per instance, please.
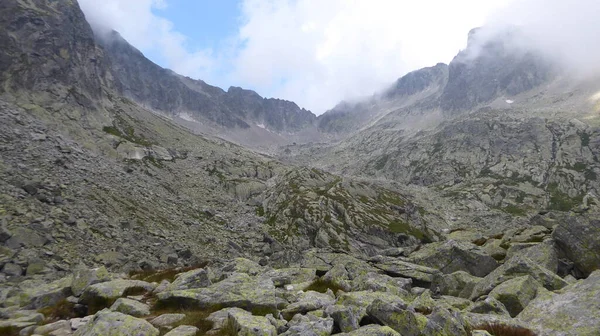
(162, 90)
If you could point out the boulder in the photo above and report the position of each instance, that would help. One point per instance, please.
(183, 330)
(109, 323)
(459, 284)
(301, 325)
(46, 295)
(307, 302)
(197, 278)
(515, 267)
(488, 306)
(452, 256)
(246, 324)
(372, 330)
(242, 265)
(515, 294)
(575, 310)
(62, 327)
(338, 275)
(382, 283)
(238, 290)
(494, 248)
(346, 318)
(166, 320)
(84, 277)
(577, 237)
(422, 276)
(444, 322)
(288, 276)
(544, 254)
(105, 293)
(130, 307)
(395, 314)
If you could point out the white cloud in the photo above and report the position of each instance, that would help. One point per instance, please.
(147, 31)
(319, 52)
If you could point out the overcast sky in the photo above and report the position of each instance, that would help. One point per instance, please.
(319, 52)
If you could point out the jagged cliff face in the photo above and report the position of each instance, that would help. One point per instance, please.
(162, 90)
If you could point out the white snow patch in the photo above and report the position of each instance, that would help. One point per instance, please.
(510, 101)
(595, 97)
(187, 117)
(261, 126)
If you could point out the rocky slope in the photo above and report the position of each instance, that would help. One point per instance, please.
(452, 215)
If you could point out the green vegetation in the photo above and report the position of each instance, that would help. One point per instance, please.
(560, 201)
(260, 211)
(120, 128)
(62, 310)
(514, 210)
(166, 274)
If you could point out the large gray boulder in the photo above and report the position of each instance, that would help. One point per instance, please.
(307, 302)
(396, 315)
(309, 325)
(452, 256)
(544, 254)
(109, 323)
(197, 278)
(574, 311)
(246, 324)
(372, 330)
(238, 290)
(578, 238)
(183, 330)
(84, 277)
(382, 283)
(422, 276)
(130, 307)
(107, 292)
(515, 294)
(517, 266)
(459, 284)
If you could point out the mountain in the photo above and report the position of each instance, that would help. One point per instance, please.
(461, 199)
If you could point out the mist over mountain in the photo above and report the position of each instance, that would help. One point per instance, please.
(460, 200)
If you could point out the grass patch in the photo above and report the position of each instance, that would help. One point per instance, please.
(9, 331)
(514, 210)
(560, 201)
(63, 310)
(320, 285)
(166, 274)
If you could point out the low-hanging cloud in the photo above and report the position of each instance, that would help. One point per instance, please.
(564, 31)
(318, 53)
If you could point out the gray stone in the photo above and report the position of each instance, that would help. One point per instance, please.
(245, 324)
(488, 306)
(109, 323)
(197, 278)
(516, 293)
(84, 277)
(395, 314)
(166, 320)
(130, 307)
(372, 330)
(452, 256)
(307, 302)
(112, 290)
(183, 330)
(574, 311)
(53, 328)
(421, 275)
(301, 325)
(459, 284)
(382, 283)
(11, 269)
(577, 237)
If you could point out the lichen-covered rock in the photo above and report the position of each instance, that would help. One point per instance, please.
(488, 306)
(575, 310)
(292, 275)
(534, 234)
(166, 320)
(372, 330)
(109, 323)
(459, 284)
(183, 330)
(246, 324)
(242, 265)
(308, 301)
(452, 256)
(301, 325)
(494, 248)
(197, 278)
(62, 327)
(238, 290)
(421, 275)
(338, 275)
(382, 283)
(84, 277)
(515, 267)
(515, 294)
(395, 314)
(130, 307)
(544, 253)
(444, 322)
(577, 237)
(112, 290)
(46, 295)
(346, 318)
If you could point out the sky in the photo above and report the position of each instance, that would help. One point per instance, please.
(320, 52)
